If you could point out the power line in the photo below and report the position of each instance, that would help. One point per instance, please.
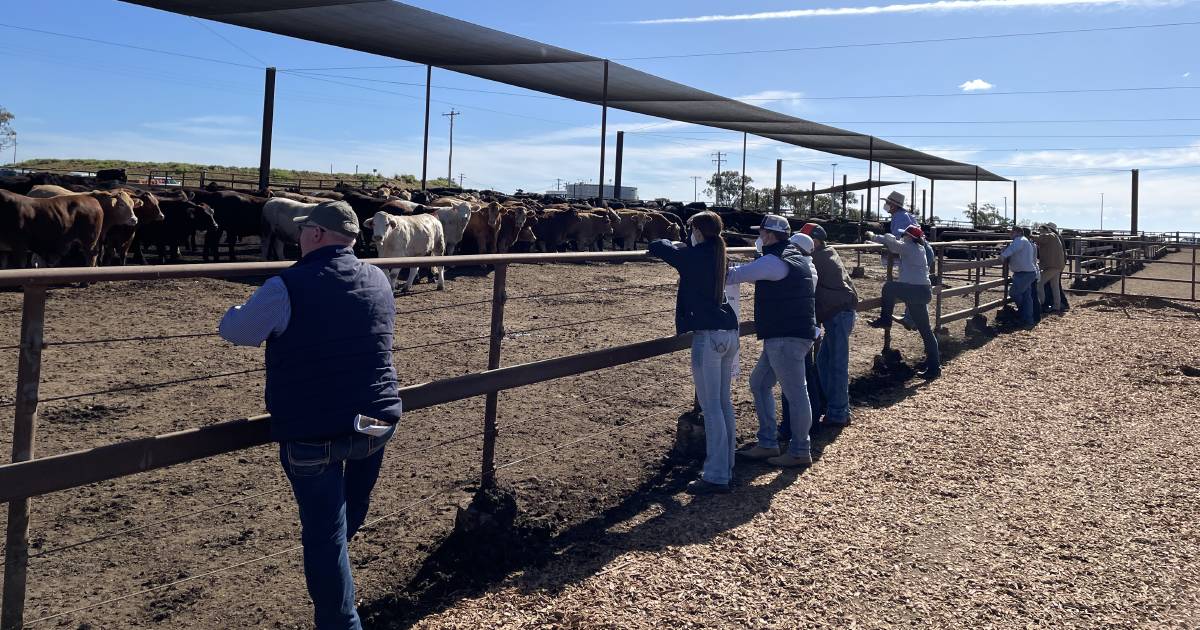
(439, 87)
(228, 41)
(912, 41)
(130, 46)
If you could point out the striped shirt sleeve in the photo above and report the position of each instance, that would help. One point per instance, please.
(264, 315)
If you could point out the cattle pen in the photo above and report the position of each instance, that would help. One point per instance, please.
(28, 476)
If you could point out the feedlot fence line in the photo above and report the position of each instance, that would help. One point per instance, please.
(28, 476)
(1094, 264)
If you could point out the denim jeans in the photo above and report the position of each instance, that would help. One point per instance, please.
(332, 481)
(782, 361)
(833, 366)
(713, 352)
(1022, 294)
(917, 297)
(815, 402)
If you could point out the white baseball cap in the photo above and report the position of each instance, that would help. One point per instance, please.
(804, 242)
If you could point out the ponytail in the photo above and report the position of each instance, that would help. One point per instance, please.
(710, 226)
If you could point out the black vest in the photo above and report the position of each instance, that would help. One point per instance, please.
(334, 360)
(787, 307)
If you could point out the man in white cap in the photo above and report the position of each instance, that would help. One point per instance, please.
(785, 320)
(1052, 258)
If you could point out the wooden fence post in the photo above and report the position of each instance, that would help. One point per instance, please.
(29, 368)
(937, 316)
(978, 256)
(499, 296)
(1007, 282)
(887, 328)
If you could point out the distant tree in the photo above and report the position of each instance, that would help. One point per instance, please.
(8, 135)
(985, 216)
(726, 187)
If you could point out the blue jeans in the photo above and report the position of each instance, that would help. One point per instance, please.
(916, 297)
(815, 402)
(332, 481)
(1022, 294)
(782, 361)
(712, 370)
(833, 366)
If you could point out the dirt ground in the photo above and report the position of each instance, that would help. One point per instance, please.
(1048, 480)
(1142, 282)
(188, 520)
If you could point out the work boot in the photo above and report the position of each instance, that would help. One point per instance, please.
(879, 322)
(788, 460)
(757, 452)
(700, 486)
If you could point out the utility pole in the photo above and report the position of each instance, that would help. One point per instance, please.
(695, 188)
(450, 164)
(1101, 211)
(720, 158)
(1005, 210)
(832, 185)
(460, 181)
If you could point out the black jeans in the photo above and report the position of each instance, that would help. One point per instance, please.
(917, 298)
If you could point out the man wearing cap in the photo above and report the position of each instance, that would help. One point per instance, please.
(330, 389)
(913, 288)
(1052, 257)
(785, 320)
(1022, 263)
(836, 302)
(901, 220)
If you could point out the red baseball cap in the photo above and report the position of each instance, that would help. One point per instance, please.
(914, 231)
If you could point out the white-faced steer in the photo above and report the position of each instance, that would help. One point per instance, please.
(400, 237)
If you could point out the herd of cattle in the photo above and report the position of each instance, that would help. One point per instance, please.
(48, 219)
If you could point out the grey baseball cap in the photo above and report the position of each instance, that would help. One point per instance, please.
(774, 223)
(335, 216)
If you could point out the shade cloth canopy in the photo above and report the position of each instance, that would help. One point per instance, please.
(863, 185)
(397, 30)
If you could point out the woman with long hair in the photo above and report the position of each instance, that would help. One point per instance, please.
(911, 287)
(701, 308)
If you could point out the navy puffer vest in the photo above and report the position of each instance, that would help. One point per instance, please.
(787, 307)
(334, 360)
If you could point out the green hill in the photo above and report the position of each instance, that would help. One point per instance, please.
(282, 174)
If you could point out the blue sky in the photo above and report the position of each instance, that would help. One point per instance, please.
(79, 99)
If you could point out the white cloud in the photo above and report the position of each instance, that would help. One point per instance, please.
(206, 126)
(917, 7)
(1187, 74)
(975, 85)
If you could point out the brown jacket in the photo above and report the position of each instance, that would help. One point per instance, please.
(835, 290)
(1051, 254)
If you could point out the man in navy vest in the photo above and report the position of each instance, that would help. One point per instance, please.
(331, 391)
(785, 319)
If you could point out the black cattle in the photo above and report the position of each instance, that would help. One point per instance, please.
(236, 214)
(181, 220)
(20, 184)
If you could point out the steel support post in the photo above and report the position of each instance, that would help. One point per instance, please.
(268, 124)
(425, 146)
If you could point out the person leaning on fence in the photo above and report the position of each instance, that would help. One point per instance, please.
(1022, 263)
(1052, 258)
(913, 288)
(785, 320)
(331, 391)
(836, 302)
(901, 220)
(701, 308)
(811, 379)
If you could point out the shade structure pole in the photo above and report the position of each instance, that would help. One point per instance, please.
(268, 125)
(924, 215)
(603, 132)
(976, 193)
(778, 185)
(1133, 206)
(844, 179)
(617, 167)
(812, 200)
(931, 183)
(742, 198)
(1014, 202)
(912, 197)
(870, 171)
(425, 148)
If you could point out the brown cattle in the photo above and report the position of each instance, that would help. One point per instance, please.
(629, 229)
(42, 191)
(49, 227)
(660, 226)
(592, 229)
(552, 227)
(121, 237)
(483, 228)
(512, 221)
